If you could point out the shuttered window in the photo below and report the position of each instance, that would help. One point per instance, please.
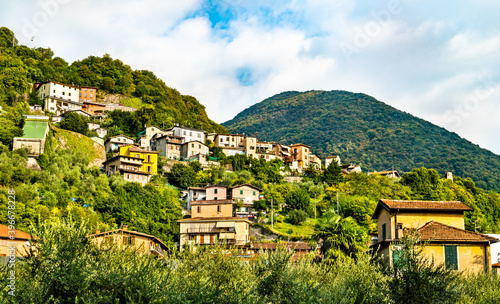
(451, 257)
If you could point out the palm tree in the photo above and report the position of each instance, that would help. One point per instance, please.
(342, 237)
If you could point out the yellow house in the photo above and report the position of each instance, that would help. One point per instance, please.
(143, 243)
(149, 158)
(440, 224)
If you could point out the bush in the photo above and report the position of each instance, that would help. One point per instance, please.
(297, 217)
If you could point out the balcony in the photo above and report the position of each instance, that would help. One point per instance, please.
(201, 230)
(156, 249)
(227, 235)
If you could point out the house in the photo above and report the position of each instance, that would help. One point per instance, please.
(211, 222)
(101, 132)
(77, 111)
(58, 97)
(111, 144)
(300, 154)
(88, 95)
(390, 173)
(247, 194)
(145, 136)
(135, 164)
(149, 158)
(350, 168)
(315, 161)
(93, 126)
(145, 244)
(21, 243)
(440, 224)
(168, 146)
(193, 148)
(228, 140)
(495, 249)
(188, 134)
(332, 159)
(195, 194)
(93, 108)
(250, 146)
(35, 131)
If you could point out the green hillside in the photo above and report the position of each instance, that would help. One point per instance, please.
(21, 66)
(368, 132)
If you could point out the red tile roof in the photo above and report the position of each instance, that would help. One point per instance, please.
(212, 202)
(214, 219)
(126, 231)
(273, 246)
(437, 232)
(442, 206)
(20, 235)
(249, 185)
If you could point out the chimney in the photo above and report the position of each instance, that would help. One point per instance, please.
(125, 227)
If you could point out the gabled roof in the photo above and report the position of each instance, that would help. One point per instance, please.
(296, 145)
(189, 142)
(216, 219)
(437, 232)
(249, 185)
(273, 246)
(121, 135)
(412, 206)
(124, 231)
(215, 186)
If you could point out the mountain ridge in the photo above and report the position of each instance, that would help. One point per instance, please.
(366, 131)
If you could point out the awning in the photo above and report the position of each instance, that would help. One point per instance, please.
(225, 225)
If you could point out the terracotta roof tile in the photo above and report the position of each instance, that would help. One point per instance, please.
(212, 202)
(4, 233)
(441, 205)
(437, 232)
(249, 185)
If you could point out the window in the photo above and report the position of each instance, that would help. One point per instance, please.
(199, 135)
(190, 133)
(192, 145)
(69, 94)
(253, 193)
(396, 257)
(149, 168)
(241, 191)
(91, 95)
(218, 209)
(199, 209)
(184, 133)
(149, 158)
(384, 235)
(215, 190)
(199, 146)
(63, 93)
(451, 257)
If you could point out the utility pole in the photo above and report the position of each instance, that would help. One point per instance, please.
(272, 215)
(314, 205)
(337, 203)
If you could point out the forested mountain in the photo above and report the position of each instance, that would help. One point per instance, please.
(21, 66)
(365, 131)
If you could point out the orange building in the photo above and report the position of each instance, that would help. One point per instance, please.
(88, 94)
(93, 108)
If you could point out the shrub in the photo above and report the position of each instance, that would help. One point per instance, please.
(297, 217)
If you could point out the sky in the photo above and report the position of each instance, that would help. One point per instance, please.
(437, 60)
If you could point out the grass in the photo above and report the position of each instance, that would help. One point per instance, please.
(131, 102)
(78, 142)
(306, 229)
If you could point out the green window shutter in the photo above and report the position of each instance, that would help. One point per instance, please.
(451, 257)
(396, 257)
(241, 191)
(384, 234)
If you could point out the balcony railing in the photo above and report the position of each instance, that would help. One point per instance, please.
(201, 230)
(155, 248)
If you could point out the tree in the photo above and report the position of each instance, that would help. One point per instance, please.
(74, 122)
(297, 217)
(182, 176)
(333, 174)
(298, 199)
(342, 237)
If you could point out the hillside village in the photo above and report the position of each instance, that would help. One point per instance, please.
(217, 213)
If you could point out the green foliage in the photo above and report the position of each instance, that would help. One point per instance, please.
(415, 278)
(75, 122)
(298, 199)
(333, 174)
(297, 217)
(342, 237)
(182, 176)
(365, 131)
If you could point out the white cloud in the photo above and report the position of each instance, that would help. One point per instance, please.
(425, 59)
